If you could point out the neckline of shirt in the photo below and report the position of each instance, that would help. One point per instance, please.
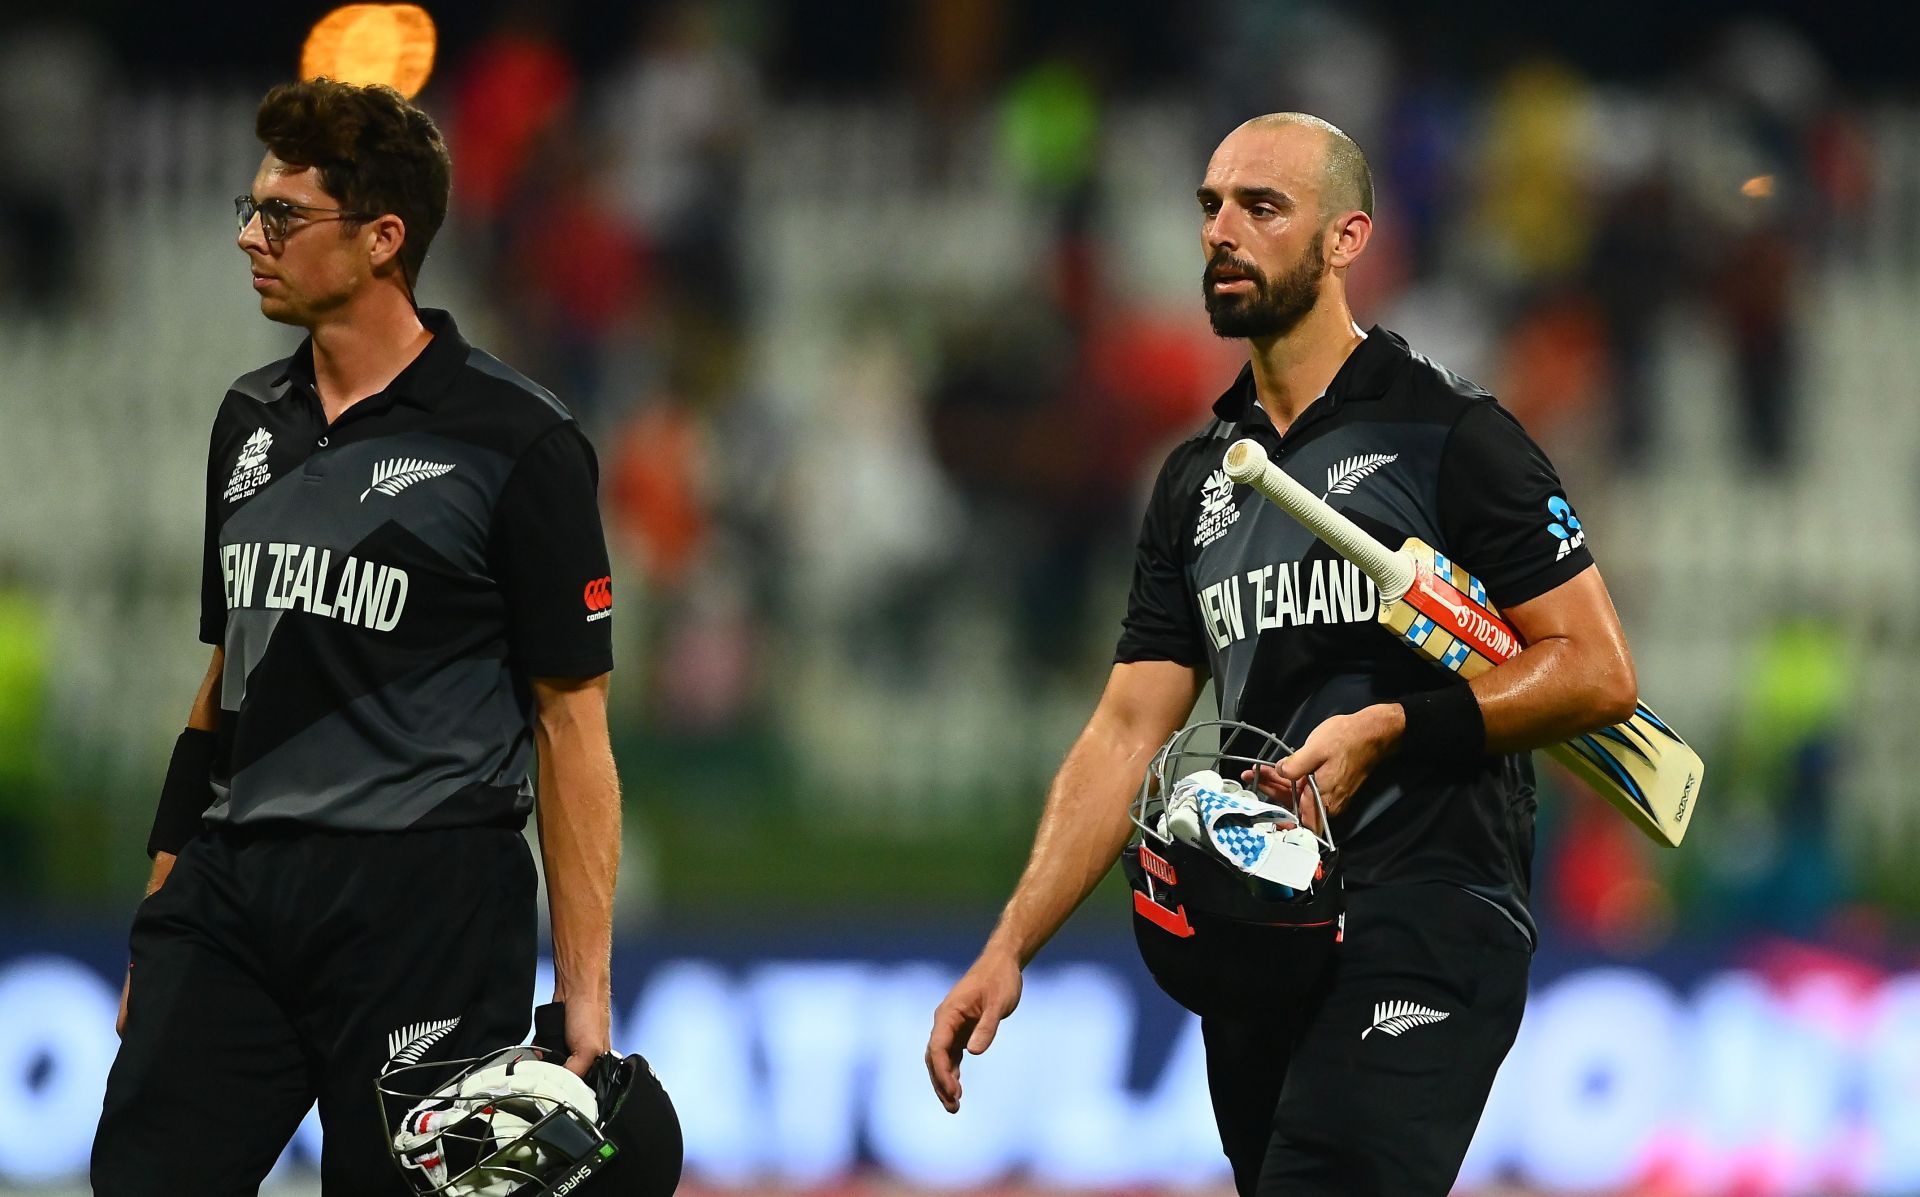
(1367, 373)
(422, 383)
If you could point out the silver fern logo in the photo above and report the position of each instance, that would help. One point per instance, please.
(250, 471)
(409, 1043)
(1397, 1018)
(1348, 473)
(396, 474)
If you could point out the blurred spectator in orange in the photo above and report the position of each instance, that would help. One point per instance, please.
(654, 487)
(1554, 371)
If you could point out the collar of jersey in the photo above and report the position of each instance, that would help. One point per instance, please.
(426, 378)
(1367, 373)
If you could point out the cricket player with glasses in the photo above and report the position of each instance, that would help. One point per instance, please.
(406, 589)
(1353, 1056)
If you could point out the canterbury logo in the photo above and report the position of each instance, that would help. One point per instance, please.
(599, 598)
(1346, 474)
(406, 1045)
(396, 474)
(1397, 1018)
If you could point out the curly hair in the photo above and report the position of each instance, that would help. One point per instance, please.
(376, 153)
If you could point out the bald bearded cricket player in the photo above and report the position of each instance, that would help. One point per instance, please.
(1367, 1070)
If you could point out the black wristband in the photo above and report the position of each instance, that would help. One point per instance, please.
(187, 793)
(1444, 728)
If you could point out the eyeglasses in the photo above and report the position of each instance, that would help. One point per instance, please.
(276, 213)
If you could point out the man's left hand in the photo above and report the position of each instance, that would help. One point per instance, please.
(589, 1030)
(1339, 755)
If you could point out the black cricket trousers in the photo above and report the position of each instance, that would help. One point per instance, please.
(280, 967)
(1371, 1084)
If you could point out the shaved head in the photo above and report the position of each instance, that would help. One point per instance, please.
(1346, 182)
(1286, 206)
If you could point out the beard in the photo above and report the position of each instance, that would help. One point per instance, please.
(1274, 307)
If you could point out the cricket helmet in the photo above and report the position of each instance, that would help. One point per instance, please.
(1232, 888)
(516, 1123)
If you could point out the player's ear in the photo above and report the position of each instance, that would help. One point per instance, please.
(1350, 233)
(386, 234)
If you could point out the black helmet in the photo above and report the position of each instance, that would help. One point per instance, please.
(1236, 895)
(516, 1123)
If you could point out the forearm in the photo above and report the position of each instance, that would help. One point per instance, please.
(162, 866)
(1081, 833)
(579, 819)
(205, 714)
(203, 723)
(1550, 691)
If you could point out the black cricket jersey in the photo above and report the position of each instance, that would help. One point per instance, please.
(1226, 581)
(385, 586)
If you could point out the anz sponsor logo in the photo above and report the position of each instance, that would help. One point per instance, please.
(1564, 527)
(1286, 594)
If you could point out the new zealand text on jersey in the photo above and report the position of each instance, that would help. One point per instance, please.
(363, 592)
(1286, 594)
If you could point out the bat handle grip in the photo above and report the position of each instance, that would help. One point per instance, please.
(1391, 571)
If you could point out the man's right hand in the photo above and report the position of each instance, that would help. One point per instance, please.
(968, 1018)
(1081, 833)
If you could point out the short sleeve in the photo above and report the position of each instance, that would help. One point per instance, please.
(1162, 621)
(1503, 511)
(549, 558)
(213, 586)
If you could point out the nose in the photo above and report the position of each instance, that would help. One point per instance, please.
(1222, 232)
(253, 236)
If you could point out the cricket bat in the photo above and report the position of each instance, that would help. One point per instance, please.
(1441, 612)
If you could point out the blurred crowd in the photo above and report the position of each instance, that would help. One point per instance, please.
(1534, 224)
(967, 457)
